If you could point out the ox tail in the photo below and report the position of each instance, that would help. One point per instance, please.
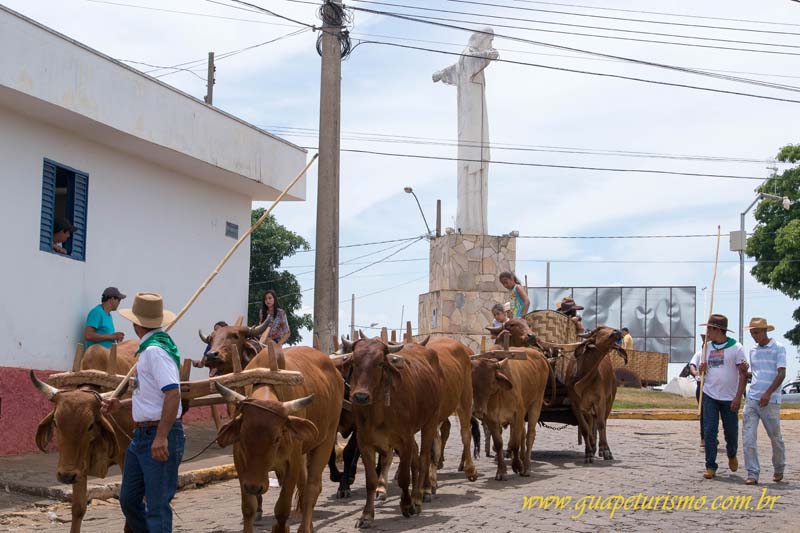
(552, 401)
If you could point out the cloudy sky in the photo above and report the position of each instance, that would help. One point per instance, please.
(387, 93)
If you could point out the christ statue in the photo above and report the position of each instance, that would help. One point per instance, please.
(473, 130)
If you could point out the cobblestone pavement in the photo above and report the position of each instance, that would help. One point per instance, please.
(651, 457)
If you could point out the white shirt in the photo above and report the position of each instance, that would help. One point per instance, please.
(722, 376)
(156, 372)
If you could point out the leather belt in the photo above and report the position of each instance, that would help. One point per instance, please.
(147, 424)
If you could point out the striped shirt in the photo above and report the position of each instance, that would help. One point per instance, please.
(764, 364)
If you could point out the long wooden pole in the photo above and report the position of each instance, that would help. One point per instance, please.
(225, 259)
(710, 312)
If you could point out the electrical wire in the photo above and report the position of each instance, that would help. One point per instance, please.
(289, 131)
(618, 76)
(488, 4)
(583, 6)
(586, 26)
(545, 165)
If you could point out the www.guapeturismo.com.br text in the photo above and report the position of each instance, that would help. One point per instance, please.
(643, 502)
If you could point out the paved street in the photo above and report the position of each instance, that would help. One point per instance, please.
(657, 458)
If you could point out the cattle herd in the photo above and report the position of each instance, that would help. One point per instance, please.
(379, 394)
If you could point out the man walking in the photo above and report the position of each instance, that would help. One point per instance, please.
(99, 324)
(722, 390)
(768, 368)
(152, 459)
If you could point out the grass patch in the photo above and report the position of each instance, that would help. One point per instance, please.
(651, 399)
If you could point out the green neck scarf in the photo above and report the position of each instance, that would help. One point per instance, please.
(163, 341)
(723, 345)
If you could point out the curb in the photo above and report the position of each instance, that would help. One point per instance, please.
(186, 480)
(682, 414)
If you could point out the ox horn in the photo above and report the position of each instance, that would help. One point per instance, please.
(495, 331)
(48, 390)
(362, 335)
(228, 394)
(294, 406)
(347, 346)
(570, 347)
(205, 338)
(393, 349)
(256, 331)
(424, 341)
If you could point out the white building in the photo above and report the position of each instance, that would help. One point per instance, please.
(158, 183)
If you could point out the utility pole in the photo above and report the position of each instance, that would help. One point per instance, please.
(326, 275)
(210, 81)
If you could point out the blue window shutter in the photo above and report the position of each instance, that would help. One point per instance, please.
(48, 206)
(79, 209)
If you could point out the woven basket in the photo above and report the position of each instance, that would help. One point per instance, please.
(552, 326)
(650, 366)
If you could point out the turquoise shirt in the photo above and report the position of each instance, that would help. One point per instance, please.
(102, 323)
(517, 303)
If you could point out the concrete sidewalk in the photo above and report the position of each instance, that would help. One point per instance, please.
(35, 474)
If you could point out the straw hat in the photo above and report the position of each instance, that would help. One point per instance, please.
(759, 323)
(568, 304)
(148, 311)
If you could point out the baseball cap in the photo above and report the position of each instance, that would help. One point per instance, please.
(113, 292)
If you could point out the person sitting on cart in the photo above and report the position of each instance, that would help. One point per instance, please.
(500, 316)
(568, 307)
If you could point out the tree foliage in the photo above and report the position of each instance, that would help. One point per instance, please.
(269, 245)
(775, 243)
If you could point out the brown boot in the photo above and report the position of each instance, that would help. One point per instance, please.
(708, 473)
(733, 464)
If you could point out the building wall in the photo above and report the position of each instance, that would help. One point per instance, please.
(149, 229)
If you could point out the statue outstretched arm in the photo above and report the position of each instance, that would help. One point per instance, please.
(447, 75)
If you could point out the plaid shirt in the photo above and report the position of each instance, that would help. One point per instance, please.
(278, 325)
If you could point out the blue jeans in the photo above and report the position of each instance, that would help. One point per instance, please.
(771, 417)
(713, 410)
(145, 477)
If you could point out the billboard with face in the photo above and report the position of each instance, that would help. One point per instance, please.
(660, 319)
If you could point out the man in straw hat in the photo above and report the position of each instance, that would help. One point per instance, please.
(722, 391)
(768, 368)
(152, 459)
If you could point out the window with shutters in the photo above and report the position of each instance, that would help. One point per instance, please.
(65, 194)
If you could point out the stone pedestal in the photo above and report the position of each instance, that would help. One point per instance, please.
(463, 285)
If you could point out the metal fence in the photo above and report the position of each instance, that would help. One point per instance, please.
(660, 319)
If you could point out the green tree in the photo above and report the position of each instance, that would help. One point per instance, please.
(269, 245)
(775, 243)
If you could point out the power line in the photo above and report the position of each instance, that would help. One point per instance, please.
(582, 6)
(545, 165)
(578, 50)
(488, 4)
(274, 14)
(428, 141)
(618, 76)
(406, 239)
(585, 26)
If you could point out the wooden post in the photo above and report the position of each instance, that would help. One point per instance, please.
(506, 338)
(483, 343)
(76, 362)
(438, 218)
(335, 343)
(112, 360)
(215, 416)
(353, 317)
(264, 339)
(409, 336)
(236, 360)
(394, 336)
(210, 81)
(384, 334)
(186, 370)
(272, 358)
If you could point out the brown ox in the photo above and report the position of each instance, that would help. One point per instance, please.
(592, 387)
(225, 340)
(266, 437)
(455, 397)
(505, 393)
(395, 393)
(88, 441)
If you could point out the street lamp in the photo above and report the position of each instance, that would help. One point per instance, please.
(410, 191)
(738, 243)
